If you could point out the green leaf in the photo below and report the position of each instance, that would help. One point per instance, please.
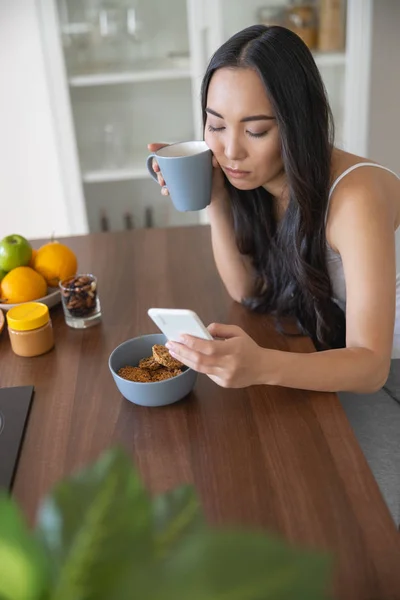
(23, 574)
(97, 529)
(242, 566)
(105, 539)
(176, 514)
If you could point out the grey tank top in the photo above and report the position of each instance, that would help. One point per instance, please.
(335, 266)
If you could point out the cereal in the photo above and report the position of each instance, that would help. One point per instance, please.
(149, 363)
(135, 374)
(151, 369)
(162, 355)
(164, 373)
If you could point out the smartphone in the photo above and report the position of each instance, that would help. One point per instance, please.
(176, 321)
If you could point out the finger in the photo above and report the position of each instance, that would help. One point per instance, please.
(194, 366)
(160, 179)
(215, 163)
(155, 166)
(206, 347)
(219, 330)
(164, 191)
(191, 358)
(154, 146)
(218, 380)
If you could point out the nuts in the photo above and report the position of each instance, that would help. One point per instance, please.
(79, 295)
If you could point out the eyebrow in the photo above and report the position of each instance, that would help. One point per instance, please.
(245, 119)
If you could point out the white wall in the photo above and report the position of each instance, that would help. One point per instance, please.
(384, 120)
(384, 129)
(32, 193)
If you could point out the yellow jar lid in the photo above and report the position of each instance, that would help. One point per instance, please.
(28, 316)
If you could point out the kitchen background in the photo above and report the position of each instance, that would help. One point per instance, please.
(86, 84)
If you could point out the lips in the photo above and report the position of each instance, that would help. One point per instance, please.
(236, 173)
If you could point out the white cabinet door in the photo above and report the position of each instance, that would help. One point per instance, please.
(132, 68)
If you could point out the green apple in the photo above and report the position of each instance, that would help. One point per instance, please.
(15, 251)
(2, 274)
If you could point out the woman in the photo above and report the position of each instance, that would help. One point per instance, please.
(299, 228)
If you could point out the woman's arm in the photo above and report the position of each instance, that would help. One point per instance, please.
(356, 370)
(234, 268)
(363, 233)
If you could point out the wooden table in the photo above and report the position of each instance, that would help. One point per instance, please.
(284, 460)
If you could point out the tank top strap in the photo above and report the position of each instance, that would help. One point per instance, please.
(350, 169)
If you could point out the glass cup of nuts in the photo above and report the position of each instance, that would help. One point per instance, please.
(80, 301)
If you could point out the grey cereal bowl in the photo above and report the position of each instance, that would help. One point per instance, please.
(157, 393)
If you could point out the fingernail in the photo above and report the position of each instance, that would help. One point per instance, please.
(169, 345)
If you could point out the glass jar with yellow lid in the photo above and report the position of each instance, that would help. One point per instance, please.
(30, 329)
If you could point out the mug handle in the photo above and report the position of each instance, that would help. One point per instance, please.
(150, 169)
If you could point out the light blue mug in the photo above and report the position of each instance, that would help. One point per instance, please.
(187, 171)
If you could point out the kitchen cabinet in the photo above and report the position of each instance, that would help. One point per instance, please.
(122, 73)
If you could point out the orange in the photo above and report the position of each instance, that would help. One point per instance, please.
(55, 262)
(22, 284)
(34, 252)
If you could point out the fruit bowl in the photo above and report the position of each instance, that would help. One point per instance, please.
(52, 298)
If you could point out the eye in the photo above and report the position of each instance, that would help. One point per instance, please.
(257, 135)
(211, 128)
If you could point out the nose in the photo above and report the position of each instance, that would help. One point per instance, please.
(234, 150)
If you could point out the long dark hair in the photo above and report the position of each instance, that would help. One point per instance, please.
(289, 257)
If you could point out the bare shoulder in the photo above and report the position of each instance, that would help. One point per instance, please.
(365, 191)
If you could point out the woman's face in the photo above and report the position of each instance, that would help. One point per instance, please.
(241, 129)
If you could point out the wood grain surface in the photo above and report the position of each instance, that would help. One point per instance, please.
(263, 457)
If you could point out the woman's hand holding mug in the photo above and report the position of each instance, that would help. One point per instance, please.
(218, 182)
